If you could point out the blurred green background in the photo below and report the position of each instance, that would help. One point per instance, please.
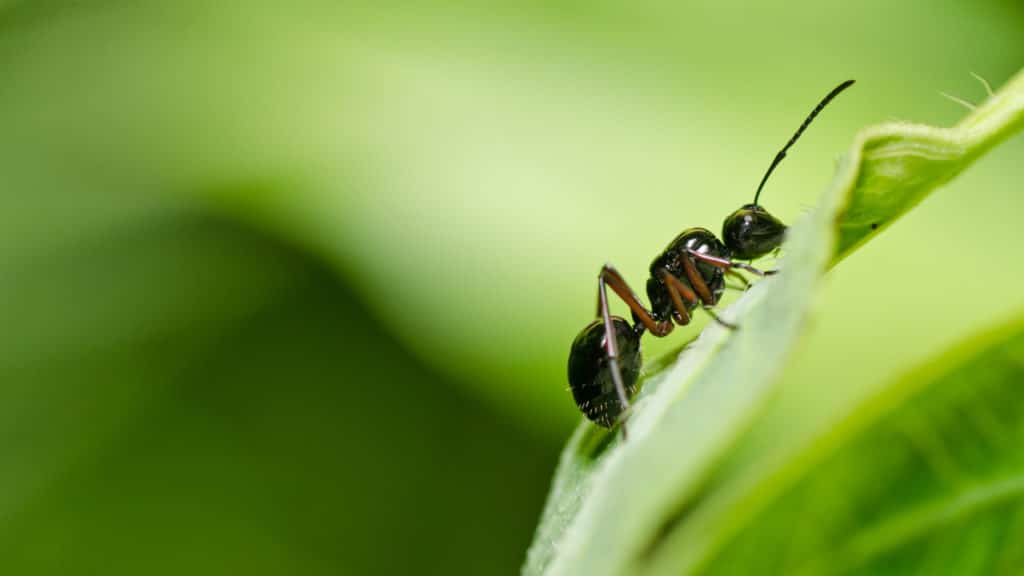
(288, 287)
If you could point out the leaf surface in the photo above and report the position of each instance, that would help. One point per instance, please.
(925, 477)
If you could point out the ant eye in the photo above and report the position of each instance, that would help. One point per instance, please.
(751, 232)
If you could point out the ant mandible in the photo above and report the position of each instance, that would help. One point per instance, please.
(604, 361)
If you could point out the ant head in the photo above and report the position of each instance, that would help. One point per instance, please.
(751, 232)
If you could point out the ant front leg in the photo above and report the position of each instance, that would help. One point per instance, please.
(610, 277)
(677, 292)
(740, 277)
(698, 283)
(729, 265)
(714, 316)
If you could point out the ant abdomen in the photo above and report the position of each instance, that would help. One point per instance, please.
(590, 377)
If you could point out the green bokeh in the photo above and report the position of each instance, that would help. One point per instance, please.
(180, 392)
(236, 411)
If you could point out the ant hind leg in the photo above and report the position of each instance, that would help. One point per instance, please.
(612, 350)
(610, 277)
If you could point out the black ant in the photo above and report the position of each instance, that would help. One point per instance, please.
(689, 272)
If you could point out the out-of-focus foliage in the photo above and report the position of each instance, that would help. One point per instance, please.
(926, 478)
(210, 422)
(465, 168)
(594, 523)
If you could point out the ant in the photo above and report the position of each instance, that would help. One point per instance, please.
(604, 361)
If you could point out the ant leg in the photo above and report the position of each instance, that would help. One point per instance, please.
(617, 283)
(702, 288)
(611, 347)
(676, 284)
(610, 277)
(716, 318)
(726, 264)
(697, 281)
(740, 277)
(677, 291)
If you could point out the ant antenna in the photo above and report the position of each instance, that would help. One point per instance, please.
(782, 153)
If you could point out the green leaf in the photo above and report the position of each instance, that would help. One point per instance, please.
(925, 477)
(613, 503)
(900, 164)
